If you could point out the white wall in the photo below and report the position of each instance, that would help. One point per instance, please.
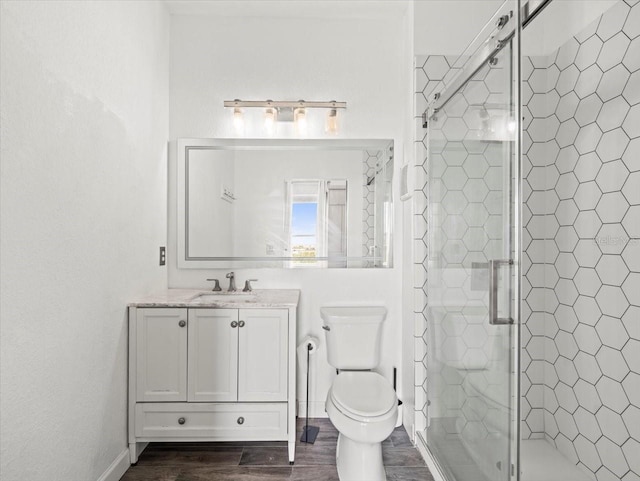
(362, 61)
(84, 110)
(446, 27)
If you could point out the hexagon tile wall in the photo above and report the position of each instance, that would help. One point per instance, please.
(430, 73)
(370, 163)
(582, 246)
(581, 265)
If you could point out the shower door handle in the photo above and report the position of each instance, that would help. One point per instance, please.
(494, 269)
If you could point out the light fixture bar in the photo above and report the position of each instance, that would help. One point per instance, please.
(285, 104)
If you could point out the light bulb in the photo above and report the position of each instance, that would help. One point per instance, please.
(270, 120)
(331, 126)
(238, 119)
(300, 118)
(511, 125)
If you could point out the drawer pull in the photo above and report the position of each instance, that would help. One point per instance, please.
(182, 420)
(241, 324)
(182, 323)
(234, 324)
(240, 420)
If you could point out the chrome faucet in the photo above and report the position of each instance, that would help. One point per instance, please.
(232, 281)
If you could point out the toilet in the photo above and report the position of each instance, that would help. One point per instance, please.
(361, 404)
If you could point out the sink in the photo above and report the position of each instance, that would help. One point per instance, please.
(207, 297)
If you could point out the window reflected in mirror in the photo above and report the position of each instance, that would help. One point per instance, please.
(318, 228)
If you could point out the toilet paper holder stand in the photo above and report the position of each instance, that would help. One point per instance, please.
(309, 433)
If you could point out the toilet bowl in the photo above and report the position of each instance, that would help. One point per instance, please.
(363, 408)
(361, 403)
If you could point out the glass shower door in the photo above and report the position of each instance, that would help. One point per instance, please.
(472, 287)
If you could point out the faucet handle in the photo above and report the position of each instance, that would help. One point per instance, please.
(216, 287)
(230, 275)
(247, 285)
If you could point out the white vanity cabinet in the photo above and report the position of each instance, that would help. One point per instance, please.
(262, 355)
(213, 355)
(161, 355)
(238, 355)
(211, 374)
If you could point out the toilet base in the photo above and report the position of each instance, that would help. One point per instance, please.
(359, 461)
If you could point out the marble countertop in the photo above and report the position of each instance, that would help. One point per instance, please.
(258, 298)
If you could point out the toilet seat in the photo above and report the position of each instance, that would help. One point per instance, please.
(363, 395)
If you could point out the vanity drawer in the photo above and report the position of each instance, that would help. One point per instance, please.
(228, 422)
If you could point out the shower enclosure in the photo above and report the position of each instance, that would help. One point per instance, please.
(531, 303)
(473, 218)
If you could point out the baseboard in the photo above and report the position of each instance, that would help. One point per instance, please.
(426, 455)
(316, 409)
(408, 417)
(117, 469)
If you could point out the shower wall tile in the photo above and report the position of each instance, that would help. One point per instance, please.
(429, 75)
(420, 249)
(370, 165)
(582, 245)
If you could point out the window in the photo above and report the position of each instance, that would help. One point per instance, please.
(304, 229)
(317, 222)
(306, 236)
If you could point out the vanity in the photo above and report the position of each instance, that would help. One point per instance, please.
(212, 366)
(219, 365)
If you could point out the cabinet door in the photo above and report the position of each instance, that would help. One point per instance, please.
(262, 358)
(213, 355)
(161, 352)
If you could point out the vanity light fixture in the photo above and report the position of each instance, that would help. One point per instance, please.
(238, 119)
(300, 119)
(270, 118)
(331, 127)
(287, 111)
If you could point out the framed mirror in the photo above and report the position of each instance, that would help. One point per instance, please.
(285, 203)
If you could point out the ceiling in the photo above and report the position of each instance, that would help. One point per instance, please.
(440, 26)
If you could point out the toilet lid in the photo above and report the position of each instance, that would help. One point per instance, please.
(363, 393)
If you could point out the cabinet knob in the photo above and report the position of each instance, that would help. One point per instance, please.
(182, 323)
(240, 420)
(234, 324)
(241, 324)
(182, 420)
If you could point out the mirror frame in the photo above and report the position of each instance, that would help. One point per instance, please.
(185, 145)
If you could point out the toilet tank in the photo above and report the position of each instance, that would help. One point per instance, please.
(353, 336)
